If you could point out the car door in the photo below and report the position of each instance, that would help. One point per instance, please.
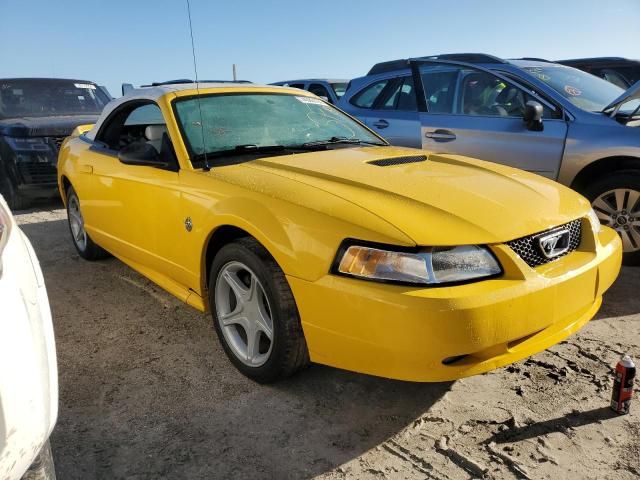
(389, 108)
(476, 113)
(133, 210)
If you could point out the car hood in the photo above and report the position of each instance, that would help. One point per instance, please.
(632, 93)
(52, 126)
(444, 200)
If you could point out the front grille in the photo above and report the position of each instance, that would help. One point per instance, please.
(38, 172)
(387, 162)
(529, 250)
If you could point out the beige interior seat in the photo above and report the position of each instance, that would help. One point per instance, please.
(153, 134)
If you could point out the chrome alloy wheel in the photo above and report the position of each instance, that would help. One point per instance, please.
(620, 210)
(76, 222)
(244, 314)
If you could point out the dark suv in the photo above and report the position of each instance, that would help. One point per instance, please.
(619, 71)
(36, 114)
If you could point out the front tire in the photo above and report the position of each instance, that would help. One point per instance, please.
(85, 247)
(42, 467)
(13, 197)
(616, 200)
(254, 313)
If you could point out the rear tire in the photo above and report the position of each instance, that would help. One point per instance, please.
(616, 200)
(86, 248)
(245, 279)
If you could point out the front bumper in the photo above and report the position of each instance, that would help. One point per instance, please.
(39, 190)
(406, 333)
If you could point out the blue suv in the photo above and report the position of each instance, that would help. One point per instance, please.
(532, 114)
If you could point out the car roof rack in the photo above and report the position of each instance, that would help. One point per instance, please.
(460, 57)
(535, 59)
(595, 60)
(469, 57)
(188, 80)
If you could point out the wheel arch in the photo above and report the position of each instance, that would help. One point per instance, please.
(65, 183)
(602, 167)
(218, 238)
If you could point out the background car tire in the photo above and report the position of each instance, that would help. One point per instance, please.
(624, 179)
(289, 352)
(87, 249)
(42, 467)
(13, 197)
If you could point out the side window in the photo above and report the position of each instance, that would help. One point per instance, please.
(407, 96)
(138, 123)
(399, 96)
(149, 114)
(439, 87)
(546, 111)
(366, 98)
(615, 78)
(482, 93)
(319, 90)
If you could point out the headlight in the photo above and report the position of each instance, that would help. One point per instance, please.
(430, 266)
(21, 144)
(595, 221)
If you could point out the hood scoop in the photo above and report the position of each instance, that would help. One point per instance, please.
(388, 162)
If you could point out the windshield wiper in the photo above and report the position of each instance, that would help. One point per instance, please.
(238, 150)
(253, 149)
(341, 140)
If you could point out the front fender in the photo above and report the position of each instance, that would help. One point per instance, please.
(301, 226)
(299, 250)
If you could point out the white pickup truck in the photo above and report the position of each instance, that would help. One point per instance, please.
(28, 370)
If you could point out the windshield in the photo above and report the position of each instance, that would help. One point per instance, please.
(339, 88)
(261, 120)
(46, 97)
(584, 90)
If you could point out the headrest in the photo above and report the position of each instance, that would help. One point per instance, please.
(155, 132)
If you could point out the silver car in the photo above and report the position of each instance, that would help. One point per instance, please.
(540, 116)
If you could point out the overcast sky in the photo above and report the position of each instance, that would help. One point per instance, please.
(140, 41)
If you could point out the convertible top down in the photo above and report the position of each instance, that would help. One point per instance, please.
(309, 238)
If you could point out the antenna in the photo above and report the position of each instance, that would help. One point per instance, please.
(195, 69)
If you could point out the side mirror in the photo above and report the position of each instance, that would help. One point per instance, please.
(533, 116)
(143, 154)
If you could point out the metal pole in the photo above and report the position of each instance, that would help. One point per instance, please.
(234, 72)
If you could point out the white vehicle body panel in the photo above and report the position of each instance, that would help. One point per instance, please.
(28, 369)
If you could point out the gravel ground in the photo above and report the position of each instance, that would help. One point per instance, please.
(146, 392)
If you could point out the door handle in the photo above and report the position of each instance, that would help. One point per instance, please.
(85, 168)
(441, 135)
(381, 123)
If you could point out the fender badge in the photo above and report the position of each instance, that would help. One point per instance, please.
(188, 224)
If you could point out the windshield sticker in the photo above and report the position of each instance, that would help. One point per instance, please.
(573, 91)
(85, 85)
(542, 76)
(314, 101)
(17, 91)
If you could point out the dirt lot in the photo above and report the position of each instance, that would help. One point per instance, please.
(146, 392)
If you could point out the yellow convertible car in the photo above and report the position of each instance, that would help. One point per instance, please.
(310, 239)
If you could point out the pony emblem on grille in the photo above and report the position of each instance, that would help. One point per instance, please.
(555, 243)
